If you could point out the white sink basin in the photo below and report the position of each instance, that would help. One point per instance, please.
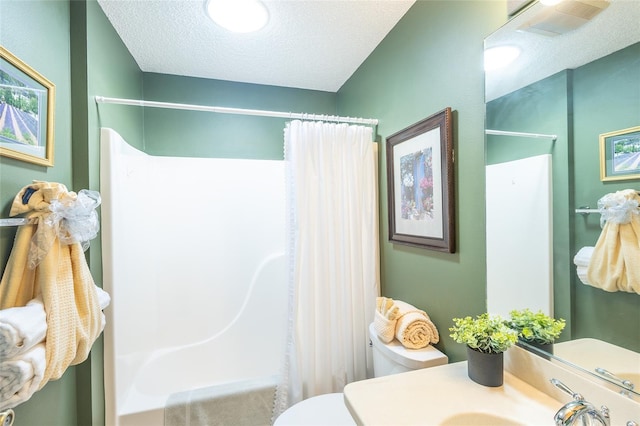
(445, 395)
(479, 419)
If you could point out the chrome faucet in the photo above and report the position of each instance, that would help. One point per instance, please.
(579, 411)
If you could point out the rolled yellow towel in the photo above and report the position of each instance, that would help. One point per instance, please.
(385, 318)
(414, 328)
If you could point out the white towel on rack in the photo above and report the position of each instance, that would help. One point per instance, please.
(582, 274)
(21, 328)
(103, 300)
(20, 377)
(583, 256)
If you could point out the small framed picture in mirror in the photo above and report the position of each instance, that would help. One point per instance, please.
(620, 154)
(420, 184)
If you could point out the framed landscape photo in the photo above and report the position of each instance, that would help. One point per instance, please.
(620, 154)
(420, 184)
(27, 102)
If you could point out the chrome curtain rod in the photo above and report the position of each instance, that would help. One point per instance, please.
(238, 111)
(521, 134)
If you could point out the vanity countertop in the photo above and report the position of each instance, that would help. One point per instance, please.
(445, 395)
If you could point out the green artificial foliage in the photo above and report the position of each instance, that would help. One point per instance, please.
(486, 333)
(536, 327)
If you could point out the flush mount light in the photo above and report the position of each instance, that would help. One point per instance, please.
(499, 57)
(240, 16)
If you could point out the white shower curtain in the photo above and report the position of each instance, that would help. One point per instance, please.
(333, 255)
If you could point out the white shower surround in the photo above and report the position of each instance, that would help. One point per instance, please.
(193, 257)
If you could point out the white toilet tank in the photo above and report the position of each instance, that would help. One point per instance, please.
(393, 358)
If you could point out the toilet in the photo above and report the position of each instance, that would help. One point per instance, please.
(388, 358)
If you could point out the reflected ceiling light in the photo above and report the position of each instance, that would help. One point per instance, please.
(240, 16)
(550, 2)
(499, 57)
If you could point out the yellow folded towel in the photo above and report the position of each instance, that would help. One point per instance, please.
(39, 265)
(385, 318)
(615, 262)
(414, 328)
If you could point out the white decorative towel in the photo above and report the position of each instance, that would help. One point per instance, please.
(20, 377)
(582, 274)
(583, 257)
(385, 318)
(103, 300)
(414, 328)
(21, 328)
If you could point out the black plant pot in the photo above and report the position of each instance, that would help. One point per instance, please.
(485, 369)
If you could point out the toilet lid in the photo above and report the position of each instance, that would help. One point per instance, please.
(322, 410)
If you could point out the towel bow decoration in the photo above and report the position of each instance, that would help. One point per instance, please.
(62, 215)
(618, 207)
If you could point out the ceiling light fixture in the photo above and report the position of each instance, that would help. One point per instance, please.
(240, 16)
(499, 57)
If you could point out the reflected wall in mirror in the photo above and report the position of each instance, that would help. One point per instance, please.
(575, 85)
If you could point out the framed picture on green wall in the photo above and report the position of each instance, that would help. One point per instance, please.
(26, 112)
(620, 154)
(420, 184)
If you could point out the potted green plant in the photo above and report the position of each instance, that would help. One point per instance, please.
(536, 328)
(487, 338)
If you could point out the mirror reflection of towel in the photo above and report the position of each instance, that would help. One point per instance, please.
(581, 260)
(615, 262)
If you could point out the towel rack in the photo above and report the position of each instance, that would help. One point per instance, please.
(14, 221)
(587, 210)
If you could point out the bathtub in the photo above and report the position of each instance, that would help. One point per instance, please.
(193, 258)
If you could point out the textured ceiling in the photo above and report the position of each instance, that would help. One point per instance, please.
(309, 44)
(613, 29)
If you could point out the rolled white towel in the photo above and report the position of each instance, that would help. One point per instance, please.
(103, 298)
(414, 328)
(582, 274)
(21, 328)
(583, 256)
(20, 377)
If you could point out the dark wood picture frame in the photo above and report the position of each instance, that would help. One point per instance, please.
(420, 184)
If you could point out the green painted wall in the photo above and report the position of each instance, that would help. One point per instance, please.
(433, 59)
(205, 134)
(578, 106)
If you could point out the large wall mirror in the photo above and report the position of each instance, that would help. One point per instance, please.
(577, 77)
